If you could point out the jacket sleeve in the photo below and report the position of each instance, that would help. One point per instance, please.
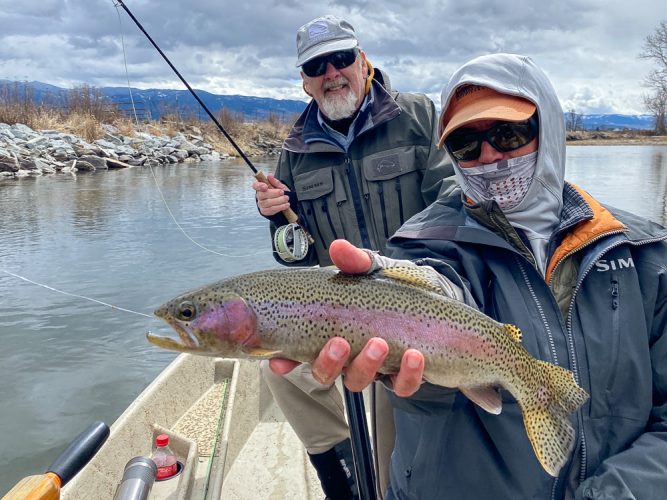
(438, 177)
(641, 470)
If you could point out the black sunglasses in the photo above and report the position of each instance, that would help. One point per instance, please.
(339, 60)
(466, 144)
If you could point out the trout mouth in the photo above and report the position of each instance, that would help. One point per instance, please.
(188, 341)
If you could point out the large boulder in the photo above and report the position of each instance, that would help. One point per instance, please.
(9, 165)
(85, 166)
(96, 161)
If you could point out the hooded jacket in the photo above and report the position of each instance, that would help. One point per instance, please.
(600, 310)
(390, 171)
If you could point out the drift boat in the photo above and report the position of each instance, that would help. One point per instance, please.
(230, 438)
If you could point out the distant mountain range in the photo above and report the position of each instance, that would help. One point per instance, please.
(154, 103)
(615, 121)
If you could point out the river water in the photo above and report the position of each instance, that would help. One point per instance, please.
(133, 239)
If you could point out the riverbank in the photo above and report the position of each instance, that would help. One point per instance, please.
(614, 138)
(24, 151)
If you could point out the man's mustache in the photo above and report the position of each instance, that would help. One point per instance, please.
(335, 83)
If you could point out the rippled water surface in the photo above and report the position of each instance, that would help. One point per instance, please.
(67, 361)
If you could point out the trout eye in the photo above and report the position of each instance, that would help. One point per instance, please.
(186, 311)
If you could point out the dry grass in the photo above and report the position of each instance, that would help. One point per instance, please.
(86, 110)
(613, 138)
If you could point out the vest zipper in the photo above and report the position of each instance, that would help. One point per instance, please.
(317, 226)
(382, 208)
(400, 200)
(325, 209)
(358, 208)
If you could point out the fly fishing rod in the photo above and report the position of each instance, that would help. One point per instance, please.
(290, 215)
(294, 239)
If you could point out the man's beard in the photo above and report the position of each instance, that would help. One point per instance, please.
(339, 107)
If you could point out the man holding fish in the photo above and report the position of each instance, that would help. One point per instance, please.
(585, 283)
(522, 336)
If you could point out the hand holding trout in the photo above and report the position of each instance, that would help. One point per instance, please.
(361, 371)
(293, 313)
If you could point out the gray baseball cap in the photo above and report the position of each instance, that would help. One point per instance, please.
(323, 35)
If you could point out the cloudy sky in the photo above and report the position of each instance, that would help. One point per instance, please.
(589, 48)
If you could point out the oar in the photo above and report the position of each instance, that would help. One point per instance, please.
(47, 486)
(361, 444)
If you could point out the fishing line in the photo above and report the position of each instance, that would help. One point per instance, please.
(157, 185)
(127, 74)
(358, 428)
(194, 94)
(75, 295)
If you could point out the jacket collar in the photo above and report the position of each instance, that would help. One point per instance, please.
(583, 221)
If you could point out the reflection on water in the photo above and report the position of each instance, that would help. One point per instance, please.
(108, 235)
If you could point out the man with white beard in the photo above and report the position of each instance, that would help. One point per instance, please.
(359, 161)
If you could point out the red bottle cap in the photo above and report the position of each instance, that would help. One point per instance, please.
(162, 440)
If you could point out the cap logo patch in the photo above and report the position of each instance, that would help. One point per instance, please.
(317, 29)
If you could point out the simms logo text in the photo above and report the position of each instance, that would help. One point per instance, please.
(603, 265)
(314, 185)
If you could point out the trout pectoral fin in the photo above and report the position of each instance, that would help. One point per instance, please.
(258, 352)
(486, 397)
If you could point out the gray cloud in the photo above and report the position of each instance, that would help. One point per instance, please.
(588, 47)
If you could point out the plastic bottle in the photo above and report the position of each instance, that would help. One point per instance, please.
(164, 458)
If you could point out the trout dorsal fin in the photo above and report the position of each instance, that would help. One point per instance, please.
(514, 332)
(414, 275)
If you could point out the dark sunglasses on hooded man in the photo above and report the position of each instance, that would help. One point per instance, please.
(340, 59)
(465, 144)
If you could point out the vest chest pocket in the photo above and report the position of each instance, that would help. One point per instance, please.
(392, 186)
(320, 197)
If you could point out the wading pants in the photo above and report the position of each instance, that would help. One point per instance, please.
(317, 414)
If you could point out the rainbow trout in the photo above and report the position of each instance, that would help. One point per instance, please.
(291, 313)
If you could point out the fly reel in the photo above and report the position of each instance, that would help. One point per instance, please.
(291, 242)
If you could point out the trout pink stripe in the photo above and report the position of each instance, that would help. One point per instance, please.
(419, 331)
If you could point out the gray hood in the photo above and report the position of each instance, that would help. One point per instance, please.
(538, 213)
